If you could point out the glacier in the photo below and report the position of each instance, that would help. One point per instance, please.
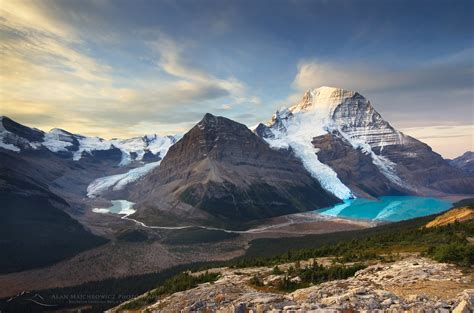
(119, 181)
(156, 144)
(298, 133)
(333, 110)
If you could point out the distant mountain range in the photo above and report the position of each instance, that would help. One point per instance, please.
(464, 162)
(331, 146)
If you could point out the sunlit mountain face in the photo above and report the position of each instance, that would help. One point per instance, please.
(236, 156)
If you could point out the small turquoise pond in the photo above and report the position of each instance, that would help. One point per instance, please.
(389, 208)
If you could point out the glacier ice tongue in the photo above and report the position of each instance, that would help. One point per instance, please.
(154, 143)
(326, 110)
(386, 167)
(119, 181)
(298, 132)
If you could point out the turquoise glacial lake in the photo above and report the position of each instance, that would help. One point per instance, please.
(389, 208)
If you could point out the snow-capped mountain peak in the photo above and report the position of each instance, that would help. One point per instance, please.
(324, 99)
(328, 110)
(16, 137)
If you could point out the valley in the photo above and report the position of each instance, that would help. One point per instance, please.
(236, 156)
(396, 245)
(324, 171)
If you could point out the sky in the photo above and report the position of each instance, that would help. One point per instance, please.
(116, 68)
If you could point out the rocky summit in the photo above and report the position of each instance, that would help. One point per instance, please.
(342, 141)
(220, 169)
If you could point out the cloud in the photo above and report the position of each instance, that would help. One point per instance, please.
(430, 100)
(32, 15)
(454, 71)
(173, 62)
(448, 140)
(50, 77)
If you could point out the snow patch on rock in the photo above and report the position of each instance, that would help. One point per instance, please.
(57, 140)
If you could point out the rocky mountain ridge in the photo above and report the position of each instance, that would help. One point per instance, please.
(332, 144)
(221, 168)
(464, 162)
(331, 128)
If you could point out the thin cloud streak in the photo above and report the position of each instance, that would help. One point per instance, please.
(49, 80)
(448, 140)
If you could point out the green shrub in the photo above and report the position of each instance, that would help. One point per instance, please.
(256, 281)
(458, 253)
(287, 285)
(180, 282)
(277, 271)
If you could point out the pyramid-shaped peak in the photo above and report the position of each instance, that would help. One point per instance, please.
(209, 118)
(324, 97)
(210, 121)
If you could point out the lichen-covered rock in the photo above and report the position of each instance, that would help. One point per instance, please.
(413, 284)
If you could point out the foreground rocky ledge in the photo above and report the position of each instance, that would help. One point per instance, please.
(412, 284)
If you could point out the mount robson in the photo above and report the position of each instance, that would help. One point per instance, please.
(326, 207)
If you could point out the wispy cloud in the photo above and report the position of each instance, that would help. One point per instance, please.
(190, 77)
(448, 140)
(50, 78)
(436, 95)
(454, 71)
(121, 68)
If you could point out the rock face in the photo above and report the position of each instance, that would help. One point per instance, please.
(354, 167)
(464, 162)
(43, 185)
(35, 229)
(413, 284)
(331, 128)
(77, 165)
(223, 170)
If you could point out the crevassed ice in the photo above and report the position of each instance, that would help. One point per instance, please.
(119, 181)
(8, 146)
(298, 133)
(137, 145)
(3, 134)
(313, 117)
